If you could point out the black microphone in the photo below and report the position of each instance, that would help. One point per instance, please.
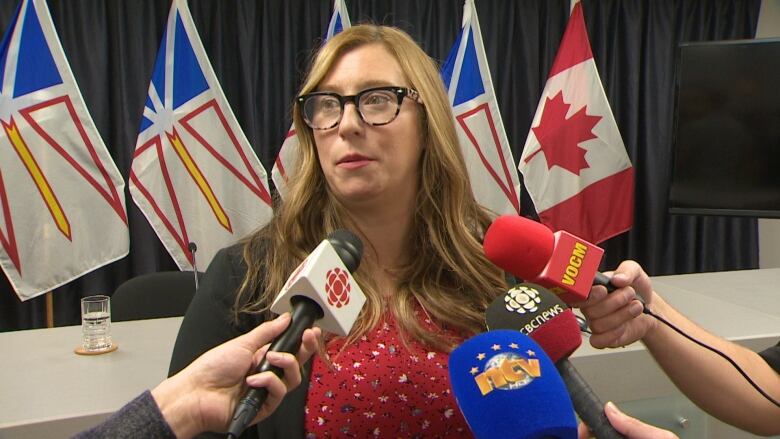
(320, 289)
(193, 248)
(542, 315)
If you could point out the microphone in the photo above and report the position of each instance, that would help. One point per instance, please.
(193, 248)
(320, 289)
(506, 387)
(540, 314)
(560, 261)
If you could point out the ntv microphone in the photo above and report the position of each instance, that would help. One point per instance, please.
(506, 387)
(541, 315)
(560, 261)
(320, 289)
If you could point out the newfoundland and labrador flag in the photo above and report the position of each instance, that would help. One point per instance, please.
(194, 174)
(288, 154)
(62, 209)
(485, 147)
(574, 163)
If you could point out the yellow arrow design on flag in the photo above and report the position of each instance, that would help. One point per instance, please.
(199, 179)
(12, 131)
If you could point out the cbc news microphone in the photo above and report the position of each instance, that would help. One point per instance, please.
(540, 314)
(560, 261)
(320, 289)
(506, 387)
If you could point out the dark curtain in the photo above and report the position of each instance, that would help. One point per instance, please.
(260, 50)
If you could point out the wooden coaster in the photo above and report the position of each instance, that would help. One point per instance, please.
(81, 351)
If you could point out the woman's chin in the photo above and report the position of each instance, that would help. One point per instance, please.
(358, 194)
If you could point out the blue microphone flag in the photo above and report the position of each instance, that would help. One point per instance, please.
(507, 387)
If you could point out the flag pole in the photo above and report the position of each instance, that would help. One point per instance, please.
(49, 310)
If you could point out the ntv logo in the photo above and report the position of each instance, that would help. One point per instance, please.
(507, 371)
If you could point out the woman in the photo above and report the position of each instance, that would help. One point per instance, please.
(379, 156)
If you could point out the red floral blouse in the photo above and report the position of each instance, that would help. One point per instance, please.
(379, 388)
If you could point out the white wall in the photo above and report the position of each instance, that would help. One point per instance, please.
(769, 229)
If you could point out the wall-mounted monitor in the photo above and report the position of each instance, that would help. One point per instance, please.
(726, 144)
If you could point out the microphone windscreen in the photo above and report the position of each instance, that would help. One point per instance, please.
(540, 314)
(348, 246)
(518, 245)
(506, 387)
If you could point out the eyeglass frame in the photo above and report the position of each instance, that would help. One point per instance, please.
(400, 94)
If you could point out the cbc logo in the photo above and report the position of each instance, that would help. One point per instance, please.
(522, 299)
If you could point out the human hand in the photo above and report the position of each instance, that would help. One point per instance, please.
(629, 427)
(616, 318)
(203, 396)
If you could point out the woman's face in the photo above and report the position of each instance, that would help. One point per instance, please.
(362, 162)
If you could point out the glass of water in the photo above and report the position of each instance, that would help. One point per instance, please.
(96, 323)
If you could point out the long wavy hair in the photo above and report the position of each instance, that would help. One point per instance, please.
(450, 277)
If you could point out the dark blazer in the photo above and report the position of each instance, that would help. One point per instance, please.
(209, 322)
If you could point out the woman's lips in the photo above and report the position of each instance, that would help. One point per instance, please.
(353, 161)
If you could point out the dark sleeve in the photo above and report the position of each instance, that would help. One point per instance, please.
(208, 321)
(209, 318)
(140, 418)
(772, 357)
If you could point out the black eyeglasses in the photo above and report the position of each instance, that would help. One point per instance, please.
(376, 106)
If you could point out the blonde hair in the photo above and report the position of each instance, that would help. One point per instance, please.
(450, 277)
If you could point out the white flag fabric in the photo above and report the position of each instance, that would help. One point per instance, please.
(194, 175)
(62, 208)
(492, 170)
(287, 158)
(574, 162)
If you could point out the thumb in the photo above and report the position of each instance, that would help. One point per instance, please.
(633, 428)
(263, 334)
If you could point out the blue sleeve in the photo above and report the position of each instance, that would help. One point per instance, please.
(140, 418)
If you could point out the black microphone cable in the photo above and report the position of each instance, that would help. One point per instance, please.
(716, 351)
(584, 328)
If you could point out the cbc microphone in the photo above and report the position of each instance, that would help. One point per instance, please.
(560, 261)
(506, 387)
(320, 289)
(540, 314)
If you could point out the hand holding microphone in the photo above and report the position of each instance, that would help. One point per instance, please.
(320, 289)
(616, 319)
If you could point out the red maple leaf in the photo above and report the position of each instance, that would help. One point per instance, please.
(559, 138)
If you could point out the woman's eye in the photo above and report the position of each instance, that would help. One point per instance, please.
(376, 99)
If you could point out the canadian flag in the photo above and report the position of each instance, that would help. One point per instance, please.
(574, 162)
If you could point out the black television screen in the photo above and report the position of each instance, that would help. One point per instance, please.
(726, 144)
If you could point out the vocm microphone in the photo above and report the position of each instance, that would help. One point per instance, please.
(320, 289)
(540, 314)
(560, 261)
(506, 387)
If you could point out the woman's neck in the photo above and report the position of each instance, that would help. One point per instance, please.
(385, 233)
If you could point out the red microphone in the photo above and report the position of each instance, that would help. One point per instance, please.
(560, 261)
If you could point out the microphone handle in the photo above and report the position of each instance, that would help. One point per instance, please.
(586, 403)
(304, 312)
(605, 281)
